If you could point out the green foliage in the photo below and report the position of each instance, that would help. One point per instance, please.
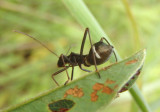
(96, 93)
(26, 67)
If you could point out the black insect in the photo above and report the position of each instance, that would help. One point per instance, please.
(99, 53)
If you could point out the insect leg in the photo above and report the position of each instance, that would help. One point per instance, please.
(83, 42)
(82, 46)
(73, 68)
(66, 71)
(105, 40)
(58, 73)
(83, 68)
(94, 58)
(72, 73)
(109, 44)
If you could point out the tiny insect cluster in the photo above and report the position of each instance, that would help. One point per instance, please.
(99, 53)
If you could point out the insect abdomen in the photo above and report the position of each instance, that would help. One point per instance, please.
(102, 53)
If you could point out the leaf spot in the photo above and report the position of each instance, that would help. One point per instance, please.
(107, 90)
(104, 87)
(76, 92)
(109, 81)
(131, 81)
(98, 86)
(61, 105)
(94, 96)
(131, 61)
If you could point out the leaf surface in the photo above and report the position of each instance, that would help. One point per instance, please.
(89, 93)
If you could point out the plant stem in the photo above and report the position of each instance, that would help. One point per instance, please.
(139, 99)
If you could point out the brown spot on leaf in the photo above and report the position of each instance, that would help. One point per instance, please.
(107, 90)
(109, 81)
(138, 72)
(76, 92)
(98, 86)
(131, 61)
(115, 86)
(105, 68)
(131, 81)
(63, 105)
(123, 89)
(94, 96)
(62, 110)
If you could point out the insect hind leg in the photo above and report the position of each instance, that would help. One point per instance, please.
(110, 45)
(81, 51)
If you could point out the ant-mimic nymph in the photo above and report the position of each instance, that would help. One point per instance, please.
(99, 53)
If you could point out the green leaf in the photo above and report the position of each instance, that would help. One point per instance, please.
(89, 93)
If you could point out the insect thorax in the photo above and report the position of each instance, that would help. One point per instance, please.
(73, 59)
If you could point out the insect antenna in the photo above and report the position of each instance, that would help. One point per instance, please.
(71, 46)
(69, 50)
(38, 42)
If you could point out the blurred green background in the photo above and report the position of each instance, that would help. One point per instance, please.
(26, 66)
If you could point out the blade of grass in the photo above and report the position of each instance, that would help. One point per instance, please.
(79, 10)
(82, 14)
(136, 39)
(25, 10)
